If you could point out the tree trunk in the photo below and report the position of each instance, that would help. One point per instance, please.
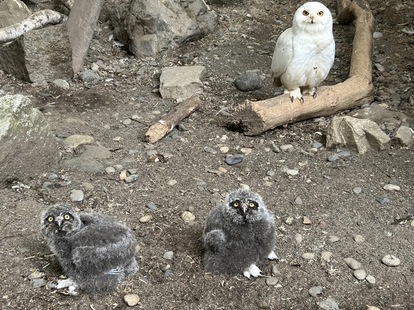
(256, 117)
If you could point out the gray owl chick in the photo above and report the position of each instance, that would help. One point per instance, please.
(239, 235)
(94, 251)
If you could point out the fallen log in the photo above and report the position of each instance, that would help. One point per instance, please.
(254, 118)
(35, 21)
(167, 123)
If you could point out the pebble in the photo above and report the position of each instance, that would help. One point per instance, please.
(344, 154)
(392, 187)
(314, 291)
(188, 217)
(360, 274)
(357, 190)
(224, 149)
(377, 35)
(292, 171)
(333, 157)
(234, 160)
(390, 260)
(152, 206)
(373, 308)
(88, 76)
(359, 239)
(326, 256)
(172, 182)
(370, 279)
(76, 195)
(276, 271)
(146, 218)
(306, 220)
(328, 304)
(131, 178)
(316, 145)
(308, 256)
(286, 147)
(333, 239)
(127, 121)
(383, 200)
(169, 255)
(35, 283)
(122, 175)
(210, 150)
(61, 84)
(131, 299)
(298, 238)
(272, 281)
(353, 263)
(298, 201)
(168, 273)
(74, 141)
(36, 275)
(271, 173)
(246, 150)
(249, 81)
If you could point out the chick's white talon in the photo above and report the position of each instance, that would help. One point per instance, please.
(253, 271)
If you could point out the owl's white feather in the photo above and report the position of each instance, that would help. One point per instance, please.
(304, 54)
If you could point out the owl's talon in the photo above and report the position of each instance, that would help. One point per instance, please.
(253, 271)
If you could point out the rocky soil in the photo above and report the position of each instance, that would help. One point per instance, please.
(345, 223)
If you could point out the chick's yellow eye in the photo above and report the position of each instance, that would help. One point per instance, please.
(50, 219)
(320, 13)
(252, 204)
(236, 204)
(66, 217)
(305, 13)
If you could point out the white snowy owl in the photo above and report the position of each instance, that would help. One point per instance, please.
(304, 53)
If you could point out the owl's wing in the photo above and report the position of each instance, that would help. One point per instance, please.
(283, 54)
(213, 235)
(102, 247)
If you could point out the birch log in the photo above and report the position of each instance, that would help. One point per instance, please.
(256, 117)
(35, 21)
(166, 124)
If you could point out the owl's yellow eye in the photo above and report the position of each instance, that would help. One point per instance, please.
(320, 13)
(305, 13)
(67, 217)
(50, 219)
(236, 204)
(252, 204)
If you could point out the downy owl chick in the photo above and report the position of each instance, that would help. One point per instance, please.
(239, 235)
(94, 251)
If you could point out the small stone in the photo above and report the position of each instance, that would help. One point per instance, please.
(169, 255)
(234, 160)
(131, 299)
(188, 216)
(333, 158)
(289, 220)
(271, 173)
(308, 256)
(127, 121)
(131, 178)
(210, 150)
(298, 238)
(276, 271)
(390, 260)
(298, 201)
(172, 182)
(377, 35)
(152, 206)
(36, 275)
(306, 220)
(314, 291)
(110, 170)
(272, 281)
(360, 274)
(328, 304)
(168, 273)
(392, 187)
(333, 239)
(383, 200)
(286, 147)
(373, 308)
(353, 263)
(412, 223)
(123, 175)
(344, 154)
(359, 239)
(224, 149)
(146, 218)
(74, 141)
(61, 84)
(246, 150)
(35, 283)
(316, 145)
(326, 256)
(76, 195)
(357, 190)
(370, 279)
(292, 172)
(249, 81)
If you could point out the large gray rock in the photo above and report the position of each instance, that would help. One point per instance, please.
(356, 134)
(181, 82)
(39, 55)
(27, 147)
(148, 26)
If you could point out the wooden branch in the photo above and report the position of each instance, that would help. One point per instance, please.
(256, 117)
(35, 21)
(166, 124)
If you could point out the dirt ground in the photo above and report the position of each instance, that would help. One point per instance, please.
(244, 40)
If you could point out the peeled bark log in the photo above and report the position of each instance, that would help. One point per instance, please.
(35, 21)
(256, 117)
(166, 124)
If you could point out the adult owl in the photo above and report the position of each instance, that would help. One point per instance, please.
(304, 53)
(94, 251)
(239, 235)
